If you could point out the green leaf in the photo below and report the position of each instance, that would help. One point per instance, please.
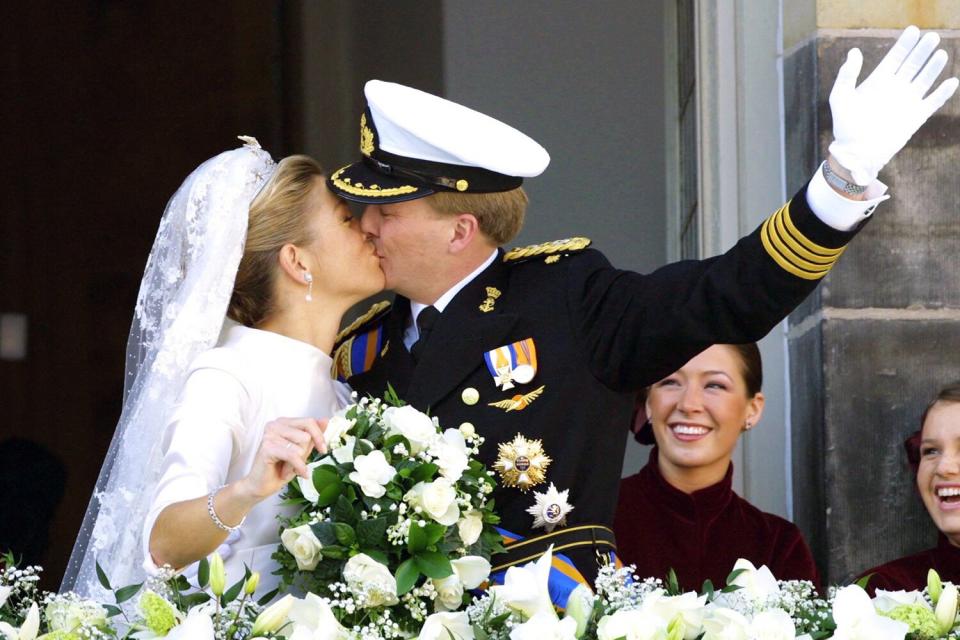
(377, 555)
(231, 594)
(407, 574)
(334, 551)
(673, 585)
(325, 533)
(268, 597)
(734, 575)
(125, 593)
(345, 533)
(343, 511)
(193, 600)
(864, 581)
(424, 472)
(479, 633)
(112, 610)
(203, 573)
(434, 532)
(416, 539)
(328, 483)
(433, 564)
(102, 577)
(371, 533)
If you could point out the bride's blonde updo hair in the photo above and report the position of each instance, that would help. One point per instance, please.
(276, 218)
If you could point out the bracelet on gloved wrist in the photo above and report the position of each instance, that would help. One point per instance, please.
(216, 519)
(834, 180)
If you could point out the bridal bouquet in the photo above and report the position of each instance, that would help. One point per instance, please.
(394, 523)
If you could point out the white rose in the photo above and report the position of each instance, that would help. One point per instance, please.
(303, 545)
(544, 626)
(449, 593)
(372, 472)
(197, 626)
(632, 624)
(313, 619)
(370, 581)
(725, 624)
(471, 570)
(444, 626)
(756, 584)
(438, 499)
(689, 607)
(337, 426)
(450, 454)
(470, 527)
(413, 425)
(309, 491)
(773, 624)
(857, 619)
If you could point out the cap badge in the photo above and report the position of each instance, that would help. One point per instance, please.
(462, 185)
(522, 463)
(518, 402)
(492, 294)
(516, 362)
(366, 136)
(550, 509)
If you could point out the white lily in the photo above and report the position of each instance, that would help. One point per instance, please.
(313, 619)
(946, 611)
(525, 589)
(545, 626)
(197, 626)
(857, 619)
(757, 584)
(688, 607)
(28, 630)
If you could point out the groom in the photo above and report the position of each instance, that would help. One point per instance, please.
(542, 349)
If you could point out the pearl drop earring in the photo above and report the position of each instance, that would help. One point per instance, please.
(308, 278)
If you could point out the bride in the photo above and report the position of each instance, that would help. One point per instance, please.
(252, 269)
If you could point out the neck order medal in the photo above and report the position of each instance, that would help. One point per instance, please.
(522, 463)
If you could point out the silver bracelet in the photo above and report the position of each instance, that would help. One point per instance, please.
(849, 188)
(213, 514)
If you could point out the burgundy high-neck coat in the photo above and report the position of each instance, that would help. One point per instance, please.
(910, 572)
(701, 535)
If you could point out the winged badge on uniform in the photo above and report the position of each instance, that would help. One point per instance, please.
(518, 402)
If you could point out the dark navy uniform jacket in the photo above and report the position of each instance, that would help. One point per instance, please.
(600, 335)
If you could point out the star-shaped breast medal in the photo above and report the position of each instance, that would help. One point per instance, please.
(522, 463)
(551, 508)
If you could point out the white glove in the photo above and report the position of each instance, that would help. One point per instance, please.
(872, 122)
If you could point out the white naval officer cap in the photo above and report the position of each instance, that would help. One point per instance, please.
(414, 144)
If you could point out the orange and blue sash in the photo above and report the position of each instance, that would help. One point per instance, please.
(358, 354)
(564, 575)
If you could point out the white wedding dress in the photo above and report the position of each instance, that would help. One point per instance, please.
(215, 429)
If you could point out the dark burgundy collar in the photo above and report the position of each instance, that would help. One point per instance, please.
(704, 503)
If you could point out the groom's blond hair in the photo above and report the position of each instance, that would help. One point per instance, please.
(277, 217)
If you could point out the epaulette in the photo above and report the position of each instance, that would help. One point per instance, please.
(552, 251)
(356, 347)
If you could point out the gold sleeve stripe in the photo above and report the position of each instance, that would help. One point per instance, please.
(796, 245)
(809, 244)
(795, 253)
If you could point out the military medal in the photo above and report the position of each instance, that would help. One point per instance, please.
(522, 463)
(550, 509)
(516, 362)
(518, 402)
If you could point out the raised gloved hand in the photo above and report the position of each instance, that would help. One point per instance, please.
(872, 122)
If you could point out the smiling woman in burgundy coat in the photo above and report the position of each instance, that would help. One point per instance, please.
(680, 511)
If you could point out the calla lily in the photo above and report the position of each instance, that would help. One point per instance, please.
(274, 616)
(946, 610)
(525, 589)
(934, 585)
(580, 607)
(28, 630)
